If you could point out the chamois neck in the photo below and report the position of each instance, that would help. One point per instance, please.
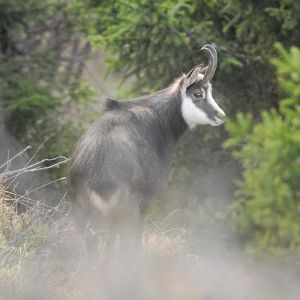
(166, 105)
(169, 111)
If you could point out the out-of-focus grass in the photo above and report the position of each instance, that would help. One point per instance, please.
(31, 237)
(42, 257)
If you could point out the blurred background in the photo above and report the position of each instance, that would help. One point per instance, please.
(60, 58)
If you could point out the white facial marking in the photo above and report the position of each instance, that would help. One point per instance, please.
(212, 102)
(193, 115)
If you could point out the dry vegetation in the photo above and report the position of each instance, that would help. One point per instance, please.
(42, 257)
(30, 237)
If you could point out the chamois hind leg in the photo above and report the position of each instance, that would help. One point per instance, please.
(88, 227)
(124, 237)
(126, 224)
(131, 233)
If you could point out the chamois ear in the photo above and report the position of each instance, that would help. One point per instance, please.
(193, 75)
(111, 104)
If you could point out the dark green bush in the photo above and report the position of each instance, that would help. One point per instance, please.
(41, 58)
(158, 40)
(267, 213)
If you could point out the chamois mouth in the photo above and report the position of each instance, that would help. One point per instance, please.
(216, 121)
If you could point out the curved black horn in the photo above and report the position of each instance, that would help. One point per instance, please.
(214, 51)
(212, 62)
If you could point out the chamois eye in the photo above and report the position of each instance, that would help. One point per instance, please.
(199, 94)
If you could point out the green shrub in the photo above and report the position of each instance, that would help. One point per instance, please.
(155, 41)
(41, 59)
(267, 213)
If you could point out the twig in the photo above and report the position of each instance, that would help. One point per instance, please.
(34, 168)
(46, 184)
(37, 150)
(8, 162)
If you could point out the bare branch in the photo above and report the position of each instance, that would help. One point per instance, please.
(38, 166)
(8, 162)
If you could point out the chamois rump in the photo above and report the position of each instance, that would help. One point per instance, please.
(121, 161)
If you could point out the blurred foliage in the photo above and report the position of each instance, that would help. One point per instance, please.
(41, 59)
(43, 47)
(155, 41)
(38, 245)
(268, 209)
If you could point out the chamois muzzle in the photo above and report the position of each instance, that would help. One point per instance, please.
(212, 62)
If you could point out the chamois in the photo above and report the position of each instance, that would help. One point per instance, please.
(121, 161)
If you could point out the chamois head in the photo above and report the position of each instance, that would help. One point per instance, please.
(198, 105)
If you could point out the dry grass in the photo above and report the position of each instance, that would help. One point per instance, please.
(29, 238)
(41, 254)
(42, 257)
